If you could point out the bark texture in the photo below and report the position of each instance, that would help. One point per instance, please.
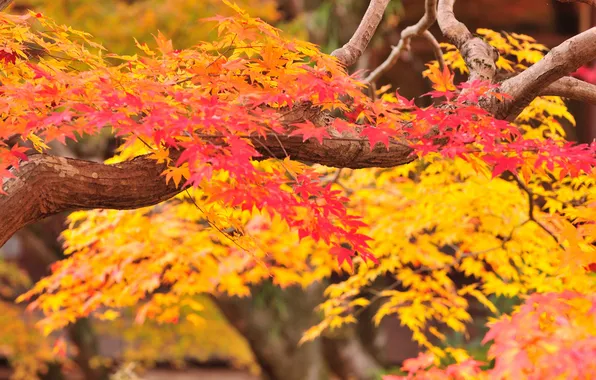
(351, 51)
(273, 321)
(45, 185)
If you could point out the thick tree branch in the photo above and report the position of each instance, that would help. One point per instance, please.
(350, 52)
(572, 88)
(479, 56)
(45, 185)
(419, 29)
(559, 62)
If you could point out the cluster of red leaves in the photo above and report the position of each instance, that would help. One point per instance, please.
(587, 73)
(418, 368)
(552, 335)
(209, 102)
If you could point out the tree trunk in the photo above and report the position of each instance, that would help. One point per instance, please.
(41, 241)
(347, 357)
(273, 321)
(83, 336)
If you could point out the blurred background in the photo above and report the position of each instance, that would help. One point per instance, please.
(219, 348)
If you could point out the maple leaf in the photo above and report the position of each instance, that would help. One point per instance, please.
(504, 164)
(7, 56)
(424, 360)
(308, 130)
(442, 80)
(342, 254)
(176, 173)
(375, 136)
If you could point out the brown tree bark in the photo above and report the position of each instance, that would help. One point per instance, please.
(41, 242)
(273, 320)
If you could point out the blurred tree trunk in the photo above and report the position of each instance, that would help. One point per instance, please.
(54, 372)
(273, 321)
(41, 241)
(83, 336)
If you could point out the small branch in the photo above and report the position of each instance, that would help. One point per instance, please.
(419, 29)
(572, 88)
(4, 4)
(559, 62)
(531, 216)
(350, 52)
(589, 2)
(479, 56)
(436, 48)
(453, 29)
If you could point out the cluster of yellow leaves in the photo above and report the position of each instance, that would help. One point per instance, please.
(190, 245)
(516, 51)
(434, 219)
(203, 334)
(429, 220)
(114, 22)
(27, 350)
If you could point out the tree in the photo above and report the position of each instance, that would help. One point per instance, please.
(232, 123)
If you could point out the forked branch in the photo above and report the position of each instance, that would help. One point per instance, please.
(479, 56)
(351, 51)
(419, 29)
(559, 62)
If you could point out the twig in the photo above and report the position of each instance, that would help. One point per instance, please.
(192, 200)
(419, 29)
(531, 215)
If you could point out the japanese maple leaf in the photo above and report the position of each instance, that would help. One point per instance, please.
(343, 254)
(375, 136)
(505, 163)
(309, 130)
(442, 81)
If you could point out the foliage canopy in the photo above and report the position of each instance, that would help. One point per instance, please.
(510, 206)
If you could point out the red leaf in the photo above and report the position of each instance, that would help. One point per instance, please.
(343, 254)
(309, 130)
(375, 136)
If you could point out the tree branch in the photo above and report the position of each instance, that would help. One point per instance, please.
(350, 52)
(479, 56)
(559, 62)
(46, 185)
(419, 29)
(4, 4)
(572, 88)
(589, 2)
